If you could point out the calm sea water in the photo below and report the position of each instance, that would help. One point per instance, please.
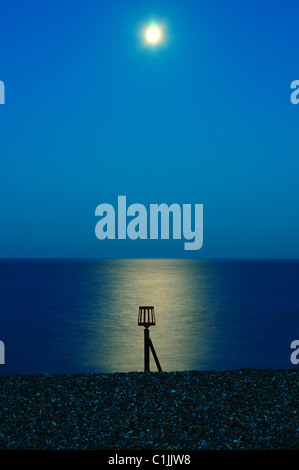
(73, 316)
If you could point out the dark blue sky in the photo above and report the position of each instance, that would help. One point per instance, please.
(206, 118)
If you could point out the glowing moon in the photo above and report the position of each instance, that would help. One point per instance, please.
(153, 34)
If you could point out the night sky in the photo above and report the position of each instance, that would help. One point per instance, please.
(203, 117)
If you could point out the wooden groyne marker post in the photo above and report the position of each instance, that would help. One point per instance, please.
(146, 318)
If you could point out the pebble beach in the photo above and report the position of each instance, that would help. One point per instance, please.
(194, 410)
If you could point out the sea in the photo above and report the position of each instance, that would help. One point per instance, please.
(71, 316)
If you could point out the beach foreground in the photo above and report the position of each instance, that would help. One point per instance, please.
(240, 409)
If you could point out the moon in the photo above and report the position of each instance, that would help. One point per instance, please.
(153, 34)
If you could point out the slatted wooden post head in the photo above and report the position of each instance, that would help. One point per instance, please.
(146, 316)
